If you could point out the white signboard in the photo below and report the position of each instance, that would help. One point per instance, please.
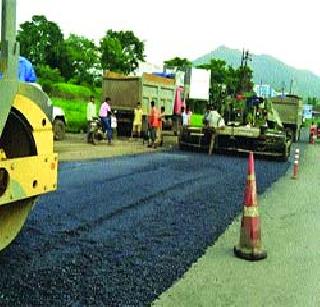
(199, 84)
(180, 78)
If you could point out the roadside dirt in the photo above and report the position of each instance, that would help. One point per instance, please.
(75, 147)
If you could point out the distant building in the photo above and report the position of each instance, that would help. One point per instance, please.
(264, 90)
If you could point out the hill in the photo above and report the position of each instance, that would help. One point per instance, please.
(270, 70)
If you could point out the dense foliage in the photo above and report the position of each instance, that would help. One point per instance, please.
(237, 80)
(76, 59)
(179, 63)
(82, 62)
(121, 51)
(41, 41)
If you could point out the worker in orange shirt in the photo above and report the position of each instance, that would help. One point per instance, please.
(153, 123)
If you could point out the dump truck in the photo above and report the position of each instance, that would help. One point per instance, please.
(290, 108)
(126, 91)
(28, 166)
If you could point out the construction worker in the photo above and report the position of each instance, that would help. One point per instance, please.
(91, 114)
(213, 117)
(312, 133)
(137, 121)
(153, 122)
(91, 109)
(186, 114)
(105, 115)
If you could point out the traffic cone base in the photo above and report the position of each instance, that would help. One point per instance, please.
(250, 254)
(250, 245)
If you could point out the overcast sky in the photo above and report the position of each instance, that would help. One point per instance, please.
(287, 30)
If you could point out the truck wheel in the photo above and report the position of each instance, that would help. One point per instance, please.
(59, 129)
(90, 138)
(182, 146)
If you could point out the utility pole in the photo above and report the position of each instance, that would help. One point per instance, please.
(291, 86)
(282, 90)
(243, 82)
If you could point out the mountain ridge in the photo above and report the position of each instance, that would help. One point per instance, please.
(269, 70)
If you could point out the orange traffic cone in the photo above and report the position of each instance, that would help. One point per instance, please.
(250, 246)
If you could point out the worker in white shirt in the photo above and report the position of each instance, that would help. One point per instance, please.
(213, 118)
(91, 109)
(186, 115)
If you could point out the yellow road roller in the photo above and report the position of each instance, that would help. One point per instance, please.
(28, 166)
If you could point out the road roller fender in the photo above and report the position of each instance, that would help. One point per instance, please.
(28, 166)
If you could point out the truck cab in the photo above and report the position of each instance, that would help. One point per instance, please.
(290, 109)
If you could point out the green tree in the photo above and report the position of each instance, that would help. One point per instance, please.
(314, 101)
(232, 80)
(121, 51)
(81, 60)
(41, 41)
(235, 80)
(218, 71)
(245, 79)
(179, 63)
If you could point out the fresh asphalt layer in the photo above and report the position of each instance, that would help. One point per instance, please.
(289, 213)
(122, 230)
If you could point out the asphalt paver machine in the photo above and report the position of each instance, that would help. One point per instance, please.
(28, 166)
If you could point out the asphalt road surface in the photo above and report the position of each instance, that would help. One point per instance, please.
(120, 231)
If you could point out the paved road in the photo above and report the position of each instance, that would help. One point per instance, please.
(120, 231)
(289, 276)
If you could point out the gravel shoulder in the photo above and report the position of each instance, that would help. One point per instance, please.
(289, 213)
(75, 148)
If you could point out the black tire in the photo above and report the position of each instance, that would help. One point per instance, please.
(90, 138)
(182, 146)
(59, 130)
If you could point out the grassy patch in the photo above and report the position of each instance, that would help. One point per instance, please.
(72, 91)
(308, 121)
(76, 113)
